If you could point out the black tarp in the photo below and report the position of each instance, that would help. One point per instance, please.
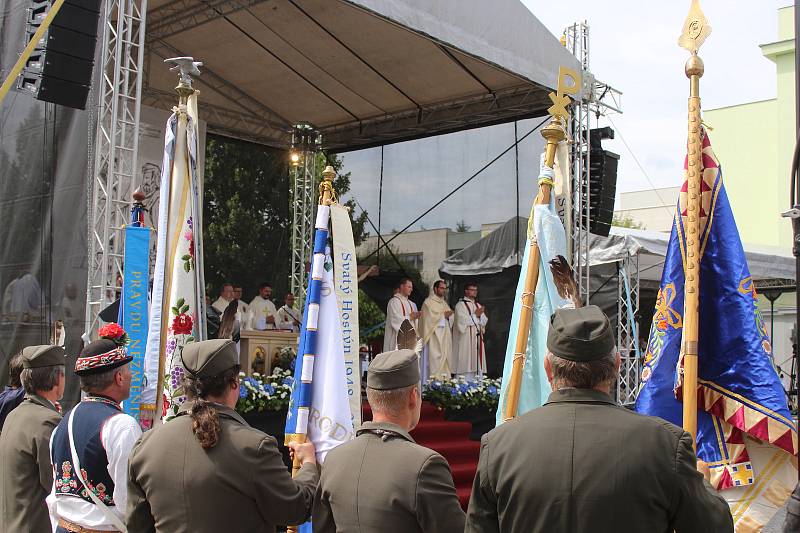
(43, 203)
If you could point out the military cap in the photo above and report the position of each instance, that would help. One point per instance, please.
(393, 370)
(41, 356)
(581, 335)
(207, 359)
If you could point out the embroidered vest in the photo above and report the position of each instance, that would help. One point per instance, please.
(87, 426)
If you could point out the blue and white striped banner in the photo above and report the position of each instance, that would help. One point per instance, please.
(300, 404)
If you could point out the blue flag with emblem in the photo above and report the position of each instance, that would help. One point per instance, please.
(745, 431)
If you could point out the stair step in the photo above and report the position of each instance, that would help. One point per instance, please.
(430, 431)
(463, 474)
(428, 412)
(458, 451)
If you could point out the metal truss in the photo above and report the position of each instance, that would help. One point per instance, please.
(597, 99)
(578, 43)
(116, 146)
(306, 142)
(178, 16)
(627, 330)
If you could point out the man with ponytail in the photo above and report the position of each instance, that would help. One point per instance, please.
(208, 471)
(91, 445)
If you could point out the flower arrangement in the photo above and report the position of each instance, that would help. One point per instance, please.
(114, 332)
(458, 393)
(265, 393)
(285, 358)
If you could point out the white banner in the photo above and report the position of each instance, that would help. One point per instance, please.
(329, 422)
(346, 281)
(176, 314)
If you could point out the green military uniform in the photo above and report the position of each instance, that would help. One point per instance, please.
(582, 463)
(240, 485)
(382, 480)
(26, 474)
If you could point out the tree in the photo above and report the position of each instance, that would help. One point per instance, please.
(247, 215)
(626, 221)
(462, 227)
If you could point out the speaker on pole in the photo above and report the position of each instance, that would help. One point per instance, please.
(60, 69)
(602, 182)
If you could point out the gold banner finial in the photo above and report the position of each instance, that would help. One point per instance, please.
(695, 29)
(555, 132)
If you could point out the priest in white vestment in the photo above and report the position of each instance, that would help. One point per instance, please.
(288, 317)
(225, 297)
(261, 311)
(400, 308)
(435, 325)
(469, 354)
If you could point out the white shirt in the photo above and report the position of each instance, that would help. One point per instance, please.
(220, 304)
(259, 309)
(118, 436)
(286, 317)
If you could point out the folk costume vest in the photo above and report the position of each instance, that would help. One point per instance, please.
(87, 428)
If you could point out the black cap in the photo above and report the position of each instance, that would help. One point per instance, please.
(581, 335)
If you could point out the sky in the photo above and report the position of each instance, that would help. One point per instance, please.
(633, 47)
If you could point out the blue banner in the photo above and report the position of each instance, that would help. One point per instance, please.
(739, 393)
(133, 308)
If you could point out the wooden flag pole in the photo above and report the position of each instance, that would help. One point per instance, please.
(554, 133)
(695, 31)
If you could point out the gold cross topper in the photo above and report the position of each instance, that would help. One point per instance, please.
(559, 98)
(695, 28)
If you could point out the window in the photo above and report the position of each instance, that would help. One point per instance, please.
(413, 259)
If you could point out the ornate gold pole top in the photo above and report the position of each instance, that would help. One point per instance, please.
(187, 67)
(555, 131)
(327, 195)
(695, 31)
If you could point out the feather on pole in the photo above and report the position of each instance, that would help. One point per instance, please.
(564, 280)
(407, 338)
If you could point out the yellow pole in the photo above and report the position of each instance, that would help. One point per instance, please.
(695, 31)
(26, 54)
(326, 197)
(553, 133)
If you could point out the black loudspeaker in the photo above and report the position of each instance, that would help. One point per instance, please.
(603, 167)
(60, 68)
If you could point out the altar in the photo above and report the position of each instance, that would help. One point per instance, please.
(260, 347)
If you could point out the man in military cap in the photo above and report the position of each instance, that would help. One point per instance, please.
(382, 480)
(206, 470)
(27, 474)
(91, 445)
(582, 463)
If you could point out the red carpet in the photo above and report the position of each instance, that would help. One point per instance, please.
(451, 439)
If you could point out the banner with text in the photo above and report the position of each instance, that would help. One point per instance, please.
(346, 281)
(134, 308)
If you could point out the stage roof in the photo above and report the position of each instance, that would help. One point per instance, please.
(364, 72)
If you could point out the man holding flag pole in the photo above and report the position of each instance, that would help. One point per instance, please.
(319, 410)
(579, 462)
